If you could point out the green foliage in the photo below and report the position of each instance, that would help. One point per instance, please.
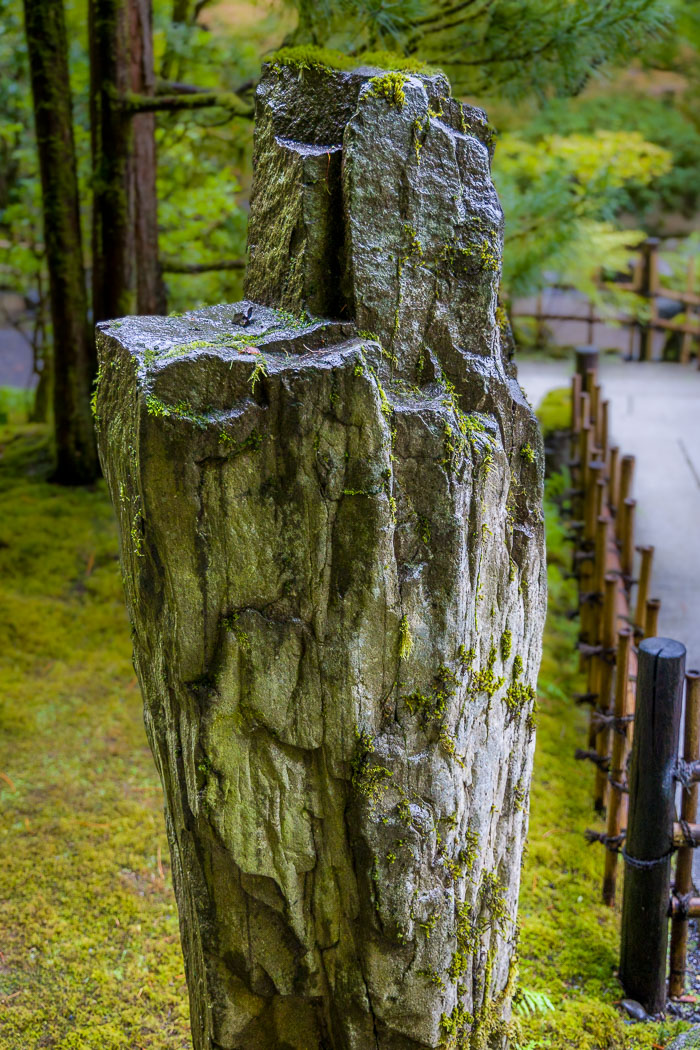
(527, 1002)
(91, 953)
(669, 123)
(554, 411)
(15, 404)
(561, 194)
(491, 46)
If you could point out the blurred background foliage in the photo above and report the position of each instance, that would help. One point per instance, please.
(595, 105)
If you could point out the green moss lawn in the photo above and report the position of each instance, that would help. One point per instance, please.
(89, 948)
(89, 951)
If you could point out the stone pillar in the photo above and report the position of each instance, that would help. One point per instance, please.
(332, 548)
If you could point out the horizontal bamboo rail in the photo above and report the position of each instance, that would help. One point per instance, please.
(646, 283)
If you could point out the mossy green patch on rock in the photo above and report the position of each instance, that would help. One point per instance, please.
(307, 56)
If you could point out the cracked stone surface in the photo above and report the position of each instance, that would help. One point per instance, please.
(332, 547)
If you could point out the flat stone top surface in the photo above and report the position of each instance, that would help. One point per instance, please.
(229, 330)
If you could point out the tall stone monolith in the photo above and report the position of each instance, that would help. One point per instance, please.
(332, 546)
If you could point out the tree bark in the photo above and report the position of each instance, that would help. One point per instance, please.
(74, 349)
(126, 274)
(111, 131)
(150, 298)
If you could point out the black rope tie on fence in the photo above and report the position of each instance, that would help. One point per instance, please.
(601, 761)
(683, 904)
(591, 598)
(586, 698)
(618, 785)
(607, 654)
(687, 773)
(611, 842)
(687, 834)
(617, 723)
(645, 865)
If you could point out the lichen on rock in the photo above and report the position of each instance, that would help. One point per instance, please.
(332, 549)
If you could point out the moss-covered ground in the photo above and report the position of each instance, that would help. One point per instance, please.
(89, 949)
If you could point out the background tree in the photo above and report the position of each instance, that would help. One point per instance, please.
(74, 363)
(550, 76)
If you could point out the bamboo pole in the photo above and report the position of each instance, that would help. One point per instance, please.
(687, 337)
(576, 402)
(620, 747)
(596, 412)
(643, 584)
(627, 540)
(601, 493)
(626, 481)
(601, 553)
(651, 618)
(684, 861)
(605, 679)
(614, 479)
(651, 290)
(591, 510)
(604, 431)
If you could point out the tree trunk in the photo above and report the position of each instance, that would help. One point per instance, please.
(150, 296)
(126, 275)
(180, 16)
(113, 214)
(74, 350)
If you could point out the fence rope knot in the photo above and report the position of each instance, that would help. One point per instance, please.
(687, 773)
(683, 903)
(611, 842)
(602, 761)
(690, 841)
(618, 723)
(645, 865)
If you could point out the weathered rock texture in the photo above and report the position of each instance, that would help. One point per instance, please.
(333, 557)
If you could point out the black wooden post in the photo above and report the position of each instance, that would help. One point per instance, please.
(586, 360)
(648, 844)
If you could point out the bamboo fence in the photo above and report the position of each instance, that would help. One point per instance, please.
(617, 614)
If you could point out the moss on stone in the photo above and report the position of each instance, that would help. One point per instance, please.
(324, 59)
(368, 780)
(390, 88)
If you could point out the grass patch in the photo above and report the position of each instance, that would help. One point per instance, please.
(90, 948)
(554, 412)
(569, 946)
(15, 405)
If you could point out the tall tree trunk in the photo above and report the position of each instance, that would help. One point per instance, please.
(74, 348)
(180, 16)
(150, 297)
(125, 248)
(113, 208)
